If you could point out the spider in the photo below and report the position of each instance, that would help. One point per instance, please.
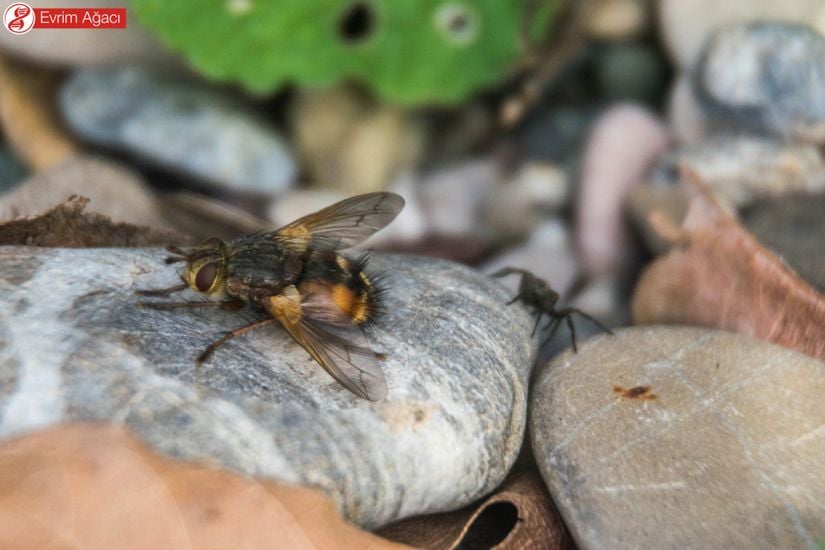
(537, 295)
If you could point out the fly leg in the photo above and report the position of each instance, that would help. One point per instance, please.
(228, 336)
(225, 304)
(161, 291)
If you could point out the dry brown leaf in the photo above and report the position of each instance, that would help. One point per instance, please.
(28, 117)
(67, 225)
(95, 486)
(520, 515)
(719, 276)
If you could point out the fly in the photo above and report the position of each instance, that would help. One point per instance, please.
(297, 276)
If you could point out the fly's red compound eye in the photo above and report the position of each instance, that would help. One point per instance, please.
(206, 276)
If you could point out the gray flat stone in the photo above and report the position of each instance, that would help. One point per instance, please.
(180, 125)
(675, 437)
(74, 345)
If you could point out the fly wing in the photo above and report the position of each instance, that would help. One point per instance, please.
(341, 225)
(332, 339)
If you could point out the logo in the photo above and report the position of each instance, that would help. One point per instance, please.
(19, 18)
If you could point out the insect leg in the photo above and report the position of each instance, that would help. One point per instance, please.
(553, 326)
(536, 326)
(515, 299)
(228, 336)
(569, 319)
(161, 291)
(569, 310)
(226, 304)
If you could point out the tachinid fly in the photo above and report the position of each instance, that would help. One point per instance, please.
(297, 276)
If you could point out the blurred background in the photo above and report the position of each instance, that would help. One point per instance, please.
(540, 134)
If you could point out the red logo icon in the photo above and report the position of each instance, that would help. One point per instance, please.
(19, 18)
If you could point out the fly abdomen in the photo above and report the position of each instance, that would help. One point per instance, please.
(357, 294)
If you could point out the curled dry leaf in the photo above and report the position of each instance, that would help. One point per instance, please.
(67, 225)
(95, 486)
(520, 515)
(28, 116)
(718, 275)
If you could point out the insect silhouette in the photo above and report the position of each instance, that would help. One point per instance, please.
(296, 275)
(537, 295)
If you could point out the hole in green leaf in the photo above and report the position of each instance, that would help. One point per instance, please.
(357, 22)
(458, 22)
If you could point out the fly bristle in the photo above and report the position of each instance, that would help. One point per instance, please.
(377, 288)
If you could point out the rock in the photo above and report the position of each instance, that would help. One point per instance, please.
(765, 78)
(740, 169)
(612, 165)
(12, 170)
(453, 197)
(113, 189)
(515, 207)
(352, 143)
(617, 20)
(631, 72)
(792, 226)
(676, 437)
(79, 348)
(686, 24)
(457, 132)
(179, 125)
(555, 133)
(685, 117)
(548, 253)
(28, 117)
(88, 47)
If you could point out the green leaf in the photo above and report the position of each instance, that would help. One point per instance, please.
(408, 51)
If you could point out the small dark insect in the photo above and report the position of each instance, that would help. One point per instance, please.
(537, 295)
(296, 275)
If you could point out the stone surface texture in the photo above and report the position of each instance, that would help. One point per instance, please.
(75, 345)
(677, 437)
